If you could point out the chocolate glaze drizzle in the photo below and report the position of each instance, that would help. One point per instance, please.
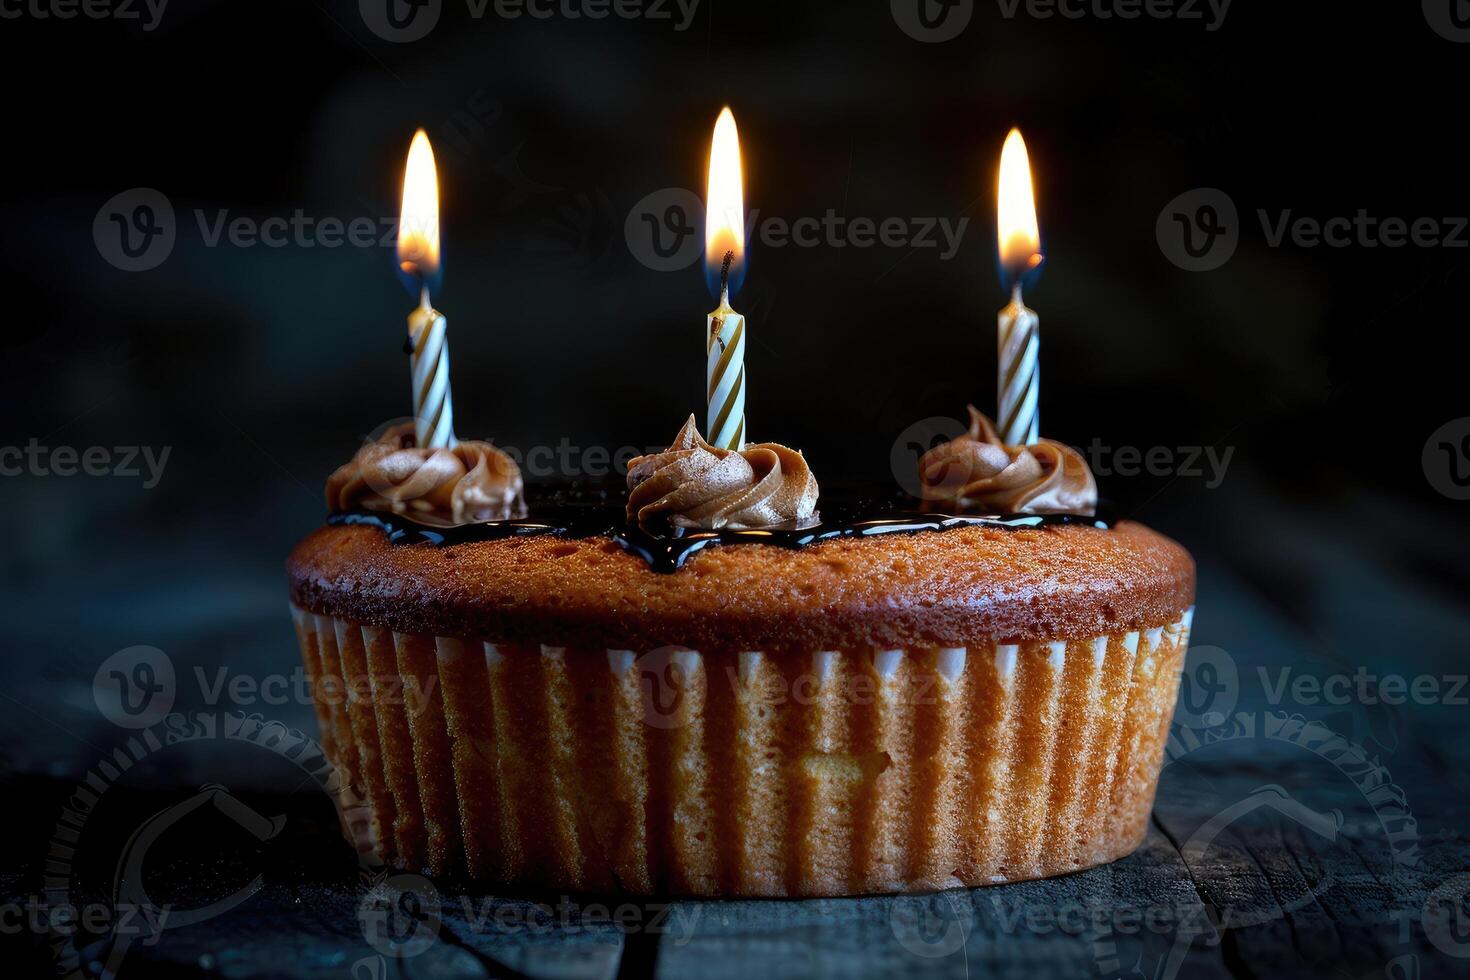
(579, 513)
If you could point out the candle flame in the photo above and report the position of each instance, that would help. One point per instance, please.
(1019, 235)
(418, 223)
(724, 217)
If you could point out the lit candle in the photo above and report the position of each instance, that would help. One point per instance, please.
(724, 253)
(418, 261)
(1019, 377)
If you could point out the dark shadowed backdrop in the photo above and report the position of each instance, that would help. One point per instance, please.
(1252, 312)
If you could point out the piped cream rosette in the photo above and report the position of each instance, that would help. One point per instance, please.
(471, 481)
(693, 484)
(979, 473)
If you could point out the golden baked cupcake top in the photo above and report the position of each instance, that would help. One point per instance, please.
(967, 585)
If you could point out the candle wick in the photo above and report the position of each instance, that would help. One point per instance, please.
(717, 322)
(1016, 294)
(424, 302)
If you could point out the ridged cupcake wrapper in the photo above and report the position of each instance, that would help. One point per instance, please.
(672, 772)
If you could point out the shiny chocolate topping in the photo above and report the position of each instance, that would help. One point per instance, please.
(598, 512)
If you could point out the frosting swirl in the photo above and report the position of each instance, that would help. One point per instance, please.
(473, 481)
(978, 472)
(695, 485)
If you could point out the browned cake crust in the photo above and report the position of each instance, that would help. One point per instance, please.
(927, 589)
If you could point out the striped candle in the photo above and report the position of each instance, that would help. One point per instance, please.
(725, 376)
(433, 408)
(1019, 376)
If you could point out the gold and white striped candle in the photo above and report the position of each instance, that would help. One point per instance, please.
(433, 408)
(1019, 377)
(725, 376)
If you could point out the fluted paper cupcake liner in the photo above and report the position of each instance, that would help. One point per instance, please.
(672, 772)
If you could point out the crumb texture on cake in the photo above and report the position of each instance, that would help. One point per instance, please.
(749, 774)
(958, 587)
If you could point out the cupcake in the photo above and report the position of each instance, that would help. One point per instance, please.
(730, 686)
